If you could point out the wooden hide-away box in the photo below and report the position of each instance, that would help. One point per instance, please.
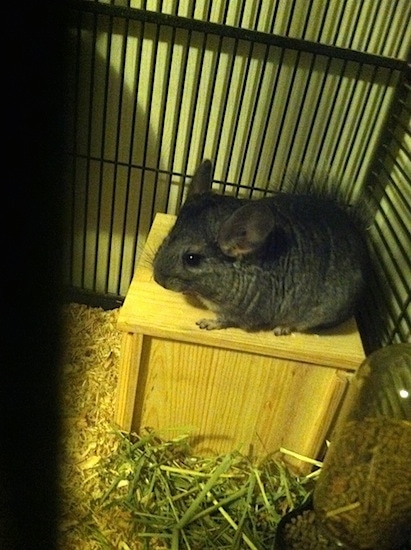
(230, 389)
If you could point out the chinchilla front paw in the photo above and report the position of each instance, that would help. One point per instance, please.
(211, 324)
(282, 330)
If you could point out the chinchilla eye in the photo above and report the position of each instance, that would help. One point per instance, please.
(192, 260)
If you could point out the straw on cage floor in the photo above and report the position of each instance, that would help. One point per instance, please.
(123, 491)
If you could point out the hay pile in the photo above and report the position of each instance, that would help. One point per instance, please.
(127, 492)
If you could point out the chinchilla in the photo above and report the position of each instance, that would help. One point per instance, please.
(290, 262)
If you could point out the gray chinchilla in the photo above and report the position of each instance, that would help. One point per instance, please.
(287, 262)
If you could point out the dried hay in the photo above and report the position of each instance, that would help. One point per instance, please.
(127, 492)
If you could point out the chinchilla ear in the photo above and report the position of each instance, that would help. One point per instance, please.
(201, 182)
(247, 229)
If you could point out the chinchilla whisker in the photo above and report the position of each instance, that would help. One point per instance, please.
(147, 258)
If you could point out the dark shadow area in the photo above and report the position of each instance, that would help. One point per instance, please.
(29, 404)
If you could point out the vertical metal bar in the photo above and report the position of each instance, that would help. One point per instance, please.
(151, 79)
(255, 108)
(312, 169)
(403, 37)
(285, 109)
(224, 104)
(240, 105)
(162, 116)
(193, 111)
(194, 103)
(74, 159)
(224, 100)
(258, 95)
(379, 192)
(397, 110)
(114, 201)
(274, 17)
(290, 18)
(391, 229)
(302, 166)
(88, 148)
(324, 19)
(351, 147)
(133, 134)
(177, 116)
(339, 22)
(179, 102)
(347, 107)
(298, 118)
(147, 130)
(388, 227)
(307, 19)
(355, 78)
(396, 334)
(206, 120)
(102, 151)
(372, 24)
(381, 262)
(257, 16)
(370, 128)
(355, 24)
(320, 95)
(284, 115)
(391, 159)
(327, 123)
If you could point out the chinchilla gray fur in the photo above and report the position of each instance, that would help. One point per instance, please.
(290, 262)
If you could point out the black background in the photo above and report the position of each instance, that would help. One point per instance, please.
(32, 220)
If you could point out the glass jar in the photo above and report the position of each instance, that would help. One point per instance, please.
(362, 498)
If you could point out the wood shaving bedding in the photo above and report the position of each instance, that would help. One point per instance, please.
(89, 378)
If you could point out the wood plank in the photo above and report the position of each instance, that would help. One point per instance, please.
(130, 361)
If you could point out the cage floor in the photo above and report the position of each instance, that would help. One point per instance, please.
(91, 345)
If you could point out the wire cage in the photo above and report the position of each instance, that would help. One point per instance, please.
(268, 90)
